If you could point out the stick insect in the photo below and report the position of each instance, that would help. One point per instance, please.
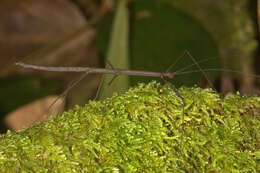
(116, 72)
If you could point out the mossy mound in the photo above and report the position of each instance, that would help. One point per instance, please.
(140, 131)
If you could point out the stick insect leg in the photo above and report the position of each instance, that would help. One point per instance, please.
(196, 63)
(109, 83)
(183, 105)
(115, 76)
(102, 79)
(109, 63)
(97, 94)
(175, 61)
(63, 94)
(99, 87)
(186, 52)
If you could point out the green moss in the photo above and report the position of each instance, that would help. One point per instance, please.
(139, 131)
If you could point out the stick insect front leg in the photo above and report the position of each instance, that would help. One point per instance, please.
(183, 106)
(109, 84)
(186, 52)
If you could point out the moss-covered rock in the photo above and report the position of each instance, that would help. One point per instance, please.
(140, 131)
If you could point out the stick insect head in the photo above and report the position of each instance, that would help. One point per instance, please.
(170, 75)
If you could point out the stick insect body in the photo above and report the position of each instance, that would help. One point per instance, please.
(117, 72)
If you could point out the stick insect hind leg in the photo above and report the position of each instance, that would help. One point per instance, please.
(101, 83)
(186, 52)
(73, 84)
(63, 94)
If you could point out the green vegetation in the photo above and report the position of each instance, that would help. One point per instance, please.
(139, 131)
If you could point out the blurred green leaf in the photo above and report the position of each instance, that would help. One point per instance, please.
(117, 53)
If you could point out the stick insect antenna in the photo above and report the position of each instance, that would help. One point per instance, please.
(175, 61)
(189, 66)
(215, 69)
